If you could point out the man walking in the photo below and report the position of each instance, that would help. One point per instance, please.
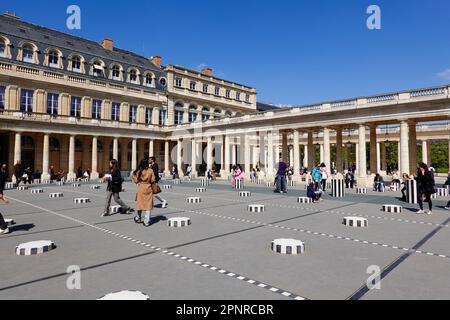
(154, 166)
(281, 177)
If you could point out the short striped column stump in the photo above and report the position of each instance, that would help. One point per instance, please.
(337, 188)
(46, 182)
(304, 200)
(22, 188)
(395, 187)
(356, 222)
(256, 208)
(115, 209)
(245, 194)
(392, 208)
(96, 187)
(193, 200)
(200, 190)
(288, 246)
(60, 183)
(10, 222)
(34, 248)
(179, 222)
(56, 195)
(126, 295)
(85, 180)
(434, 196)
(239, 184)
(36, 191)
(291, 184)
(442, 192)
(204, 183)
(411, 192)
(269, 184)
(10, 185)
(166, 186)
(361, 190)
(36, 181)
(76, 185)
(177, 181)
(81, 200)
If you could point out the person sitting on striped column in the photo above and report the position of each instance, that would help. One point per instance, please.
(378, 183)
(314, 193)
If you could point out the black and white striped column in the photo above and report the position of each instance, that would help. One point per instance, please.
(411, 191)
(337, 188)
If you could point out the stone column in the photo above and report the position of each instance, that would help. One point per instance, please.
(194, 152)
(233, 154)
(362, 163)
(227, 156)
(18, 148)
(270, 154)
(339, 162)
(383, 157)
(326, 149)
(378, 157)
(167, 158)
(311, 152)
(305, 156)
(247, 160)
(373, 150)
(71, 172)
(45, 157)
(124, 155)
(133, 154)
(180, 158)
(412, 147)
(151, 148)
(116, 149)
(448, 155)
(321, 153)
(296, 160)
(404, 147)
(284, 147)
(357, 157)
(399, 162)
(426, 152)
(94, 172)
(209, 150)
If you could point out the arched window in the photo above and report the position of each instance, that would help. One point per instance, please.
(133, 76)
(192, 113)
(27, 143)
(53, 59)
(163, 82)
(76, 64)
(54, 144)
(205, 114)
(2, 48)
(179, 112)
(116, 73)
(149, 79)
(98, 69)
(28, 53)
(217, 114)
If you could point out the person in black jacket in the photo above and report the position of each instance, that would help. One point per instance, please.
(18, 172)
(154, 166)
(3, 226)
(115, 181)
(425, 187)
(3, 180)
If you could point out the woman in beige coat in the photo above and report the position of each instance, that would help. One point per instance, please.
(144, 178)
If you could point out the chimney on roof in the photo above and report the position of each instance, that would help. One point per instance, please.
(207, 72)
(108, 44)
(156, 60)
(11, 15)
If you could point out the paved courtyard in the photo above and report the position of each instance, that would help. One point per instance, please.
(225, 253)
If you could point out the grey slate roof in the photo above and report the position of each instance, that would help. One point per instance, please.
(18, 30)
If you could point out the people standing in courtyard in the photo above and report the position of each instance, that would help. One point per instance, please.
(154, 166)
(317, 176)
(425, 188)
(18, 172)
(3, 180)
(378, 183)
(281, 177)
(114, 188)
(405, 179)
(144, 178)
(349, 180)
(313, 193)
(323, 171)
(237, 175)
(174, 172)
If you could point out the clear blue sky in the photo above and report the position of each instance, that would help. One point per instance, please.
(292, 51)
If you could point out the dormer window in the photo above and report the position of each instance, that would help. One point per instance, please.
(205, 88)
(193, 85)
(53, 59)
(238, 96)
(178, 82)
(76, 64)
(2, 48)
(28, 53)
(149, 80)
(116, 73)
(97, 69)
(247, 98)
(217, 91)
(133, 76)
(227, 94)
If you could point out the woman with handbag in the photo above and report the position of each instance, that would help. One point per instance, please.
(425, 188)
(145, 180)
